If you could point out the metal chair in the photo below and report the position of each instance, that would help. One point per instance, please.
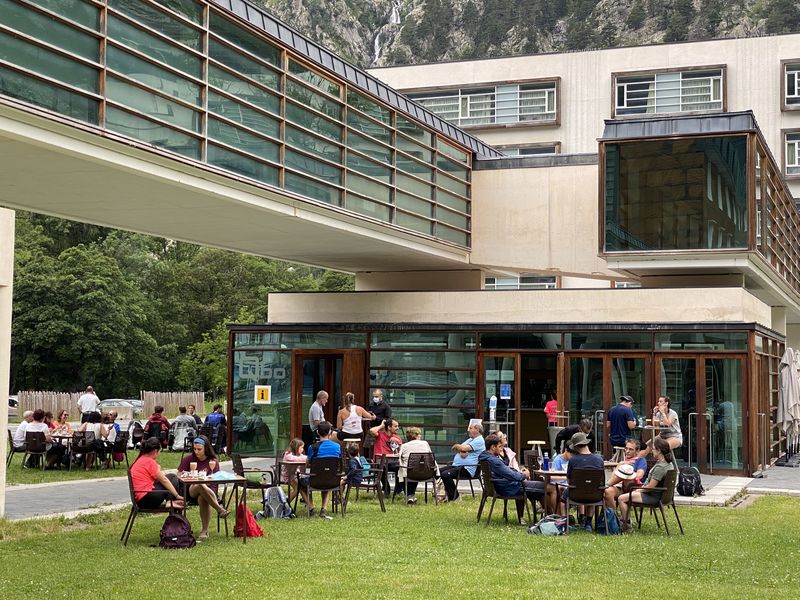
(35, 446)
(489, 491)
(667, 499)
(119, 446)
(12, 449)
(464, 474)
(370, 482)
(587, 488)
(83, 444)
(135, 509)
(421, 468)
(324, 475)
(240, 470)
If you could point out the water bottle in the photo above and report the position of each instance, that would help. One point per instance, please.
(546, 462)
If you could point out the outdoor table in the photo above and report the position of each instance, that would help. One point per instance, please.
(561, 483)
(63, 438)
(236, 481)
(654, 430)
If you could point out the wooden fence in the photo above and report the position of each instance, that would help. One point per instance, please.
(50, 401)
(171, 401)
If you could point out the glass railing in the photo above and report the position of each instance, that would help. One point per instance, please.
(186, 78)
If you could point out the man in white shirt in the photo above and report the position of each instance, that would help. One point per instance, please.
(316, 414)
(87, 403)
(19, 434)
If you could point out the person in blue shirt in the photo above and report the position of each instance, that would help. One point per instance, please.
(324, 448)
(621, 420)
(630, 471)
(466, 456)
(506, 480)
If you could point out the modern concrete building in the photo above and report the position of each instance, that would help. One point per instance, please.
(210, 121)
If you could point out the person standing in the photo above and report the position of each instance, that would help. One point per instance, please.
(380, 408)
(88, 403)
(621, 421)
(316, 414)
(550, 409)
(349, 419)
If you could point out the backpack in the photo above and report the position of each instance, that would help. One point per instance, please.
(550, 525)
(613, 522)
(156, 429)
(243, 515)
(689, 483)
(176, 532)
(276, 506)
(365, 466)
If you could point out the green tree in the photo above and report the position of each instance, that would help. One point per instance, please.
(637, 15)
(679, 20)
(783, 16)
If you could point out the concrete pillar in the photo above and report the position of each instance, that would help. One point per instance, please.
(793, 336)
(6, 280)
(779, 319)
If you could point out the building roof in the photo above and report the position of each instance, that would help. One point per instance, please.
(329, 61)
(678, 125)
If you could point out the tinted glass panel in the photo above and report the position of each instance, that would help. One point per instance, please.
(414, 167)
(147, 131)
(77, 10)
(313, 122)
(154, 47)
(308, 97)
(451, 168)
(420, 339)
(431, 420)
(239, 62)
(412, 185)
(310, 143)
(370, 107)
(451, 235)
(47, 63)
(454, 186)
(314, 78)
(426, 397)
(47, 96)
(610, 340)
(312, 189)
(450, 151)
(243, 140)
(451, 201)
(242, 114)
(415, 223)
(371, 128)
(455, 360)
(413, 204)
(451, 218)
(676, 194)
(368, 167)
(422, 379)
(151, 75)
(369, 188)
(158, 21)
(318, 169)
(414, 131)
(368, 208)
(372, 149)
(414, 149)
(49, 30)
(189, 9)
(237, 163)
(243, 39)
(701, 341)
(501, 341)
(243, 89)
(585, 388)
(152, 105)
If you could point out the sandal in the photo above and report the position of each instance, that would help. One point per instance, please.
(223, 512)
(203, 536)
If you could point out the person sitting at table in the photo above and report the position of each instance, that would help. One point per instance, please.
(54, 451)
(664, 416)
(414, 443)
(324, 448)
(507, 481)
(294, 454)
(387, 442)
(19, 434)
(355, 470)
(48, 420)
(466, 456)
(666, 463)
(62, 426)
(152, 487)
(93, 424)
(584, 426)
(509, 457)
(205, 495)
(631, 471)
(582, 458)
(348, 420)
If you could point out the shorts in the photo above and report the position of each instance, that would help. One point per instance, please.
(651, 499)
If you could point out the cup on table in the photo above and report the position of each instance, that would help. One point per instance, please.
(212, 465)
(193, 468)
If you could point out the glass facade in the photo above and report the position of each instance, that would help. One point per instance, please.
(186, 78)
(684, 194)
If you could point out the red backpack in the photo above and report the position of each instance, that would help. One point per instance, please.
(253, 528)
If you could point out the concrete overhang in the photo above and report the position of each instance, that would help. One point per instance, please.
(72, 172)
(753, 273)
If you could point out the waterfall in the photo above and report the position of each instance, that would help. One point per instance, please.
(389, 28)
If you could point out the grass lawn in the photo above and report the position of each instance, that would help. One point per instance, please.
(411, 552)
(16, 475)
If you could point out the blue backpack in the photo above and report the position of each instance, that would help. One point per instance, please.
(613, 523)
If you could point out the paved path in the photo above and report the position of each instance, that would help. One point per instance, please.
(95, 495)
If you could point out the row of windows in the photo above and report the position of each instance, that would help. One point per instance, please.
(181, 76)
(538, 282)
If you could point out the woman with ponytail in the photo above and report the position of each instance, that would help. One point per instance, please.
(666, 463)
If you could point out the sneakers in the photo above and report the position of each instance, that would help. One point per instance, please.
(626, 527)
(312, 512)
(324, 515)
(411, 500)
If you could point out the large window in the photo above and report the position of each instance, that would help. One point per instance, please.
(791, 165)
(522, 282)
(534, 102)
(184, 77)
(668, 92)
(791, 81)
(676, 194)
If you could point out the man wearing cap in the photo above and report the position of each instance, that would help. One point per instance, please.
(621, 421)
(583, 458)
(630, 471)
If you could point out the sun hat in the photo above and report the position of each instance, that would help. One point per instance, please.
(625, 471)
(626, 398)
(578, 439)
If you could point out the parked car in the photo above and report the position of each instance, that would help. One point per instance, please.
(136, 407)
(13, 403)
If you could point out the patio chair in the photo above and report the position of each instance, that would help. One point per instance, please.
(325, 475)
(119, 446)
(135, 509)
(83, 444)
(489, 491)
(531, 460)
(12, 449)
(291, 469)
(464, 475)
(240, 470)
(421, 468)
(667, 499)
(587, 488)
(35, 446)
(371, 482)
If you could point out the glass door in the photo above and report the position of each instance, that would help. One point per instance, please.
(319, 373)
(586, 395)
(500, 395)
(538, 383)
(723, 414)
(678, 380)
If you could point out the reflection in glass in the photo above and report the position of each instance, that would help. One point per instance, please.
(148, 131)
(627, 377)
(154, 47)
(586, 392)
(705, 340)
(49, 30)
(724, 396)
(152, 105)
(243, 165)
(678, 380)
(456, 360)
(48, 96)
(151, 75)
(423, 339)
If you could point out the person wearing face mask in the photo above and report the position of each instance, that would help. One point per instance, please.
(380, 408)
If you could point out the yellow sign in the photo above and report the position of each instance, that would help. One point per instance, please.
(263, 394)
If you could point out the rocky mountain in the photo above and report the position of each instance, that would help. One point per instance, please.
(390, 32)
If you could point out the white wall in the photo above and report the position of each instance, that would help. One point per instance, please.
(6, 280)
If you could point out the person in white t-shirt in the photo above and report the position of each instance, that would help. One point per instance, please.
(19, 434)
(54, 451)
(415, 443)
(87, 403)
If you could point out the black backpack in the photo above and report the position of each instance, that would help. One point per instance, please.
(689, 483)
(176, 532)
(156, 429)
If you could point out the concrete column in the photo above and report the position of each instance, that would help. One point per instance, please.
(6, 280)
(779, 319)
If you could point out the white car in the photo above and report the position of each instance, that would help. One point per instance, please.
(13, 403)
(133, 406)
